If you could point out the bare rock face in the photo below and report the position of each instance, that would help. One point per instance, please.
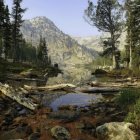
(61, 47)
(115, 131)
(91, 42)
(95, 43)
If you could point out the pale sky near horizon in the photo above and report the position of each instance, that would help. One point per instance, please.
(66, 14)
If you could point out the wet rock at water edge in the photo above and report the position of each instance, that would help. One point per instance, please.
(60, 133)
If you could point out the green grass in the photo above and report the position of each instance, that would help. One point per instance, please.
(128, 97)
(134, 115)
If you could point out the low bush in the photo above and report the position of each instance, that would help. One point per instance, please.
(134, 115)
(128, 97)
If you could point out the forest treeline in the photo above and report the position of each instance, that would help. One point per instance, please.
(12, 44)
(115, 17)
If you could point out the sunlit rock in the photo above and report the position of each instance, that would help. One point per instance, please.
(115, 131)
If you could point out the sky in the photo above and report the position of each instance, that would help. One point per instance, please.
(66, 14)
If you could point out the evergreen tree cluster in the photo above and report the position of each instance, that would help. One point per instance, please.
(108, 16)
(12, 44)
(42, 53)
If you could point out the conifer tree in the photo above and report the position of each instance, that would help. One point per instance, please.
(2, 10)
(7, 33)
(107, 16)
(42, 53)
(17, 12)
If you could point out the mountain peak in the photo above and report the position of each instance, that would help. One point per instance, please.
(39, 18)
(62, 48)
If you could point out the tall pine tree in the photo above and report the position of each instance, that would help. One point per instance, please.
(7, 34)
(107, 16)
(42, 52)
(17, 12)
(2, 10)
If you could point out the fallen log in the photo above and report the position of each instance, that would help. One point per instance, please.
(99, 90)
(114, 85)
(18, 96)
(51, 88)
(105, 84)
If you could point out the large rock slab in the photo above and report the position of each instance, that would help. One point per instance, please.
(115, 131)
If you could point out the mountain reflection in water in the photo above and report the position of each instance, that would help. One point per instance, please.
(77, 76)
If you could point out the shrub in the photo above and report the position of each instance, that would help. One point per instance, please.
(128, 97)
(134, 114)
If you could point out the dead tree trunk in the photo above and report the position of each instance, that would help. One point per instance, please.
(18, 96)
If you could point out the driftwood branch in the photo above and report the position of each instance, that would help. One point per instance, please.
(51, 88)
(18, 96)
(114, 85)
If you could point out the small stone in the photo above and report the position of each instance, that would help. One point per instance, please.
(60, 133)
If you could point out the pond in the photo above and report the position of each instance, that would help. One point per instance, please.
(80, 100)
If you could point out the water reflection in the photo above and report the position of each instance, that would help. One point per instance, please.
(73, 75)
(80, 99)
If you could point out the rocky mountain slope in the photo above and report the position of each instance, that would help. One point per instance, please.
(94, 42)
(61, 47)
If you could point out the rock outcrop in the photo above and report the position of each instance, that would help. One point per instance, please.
(115, 131)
